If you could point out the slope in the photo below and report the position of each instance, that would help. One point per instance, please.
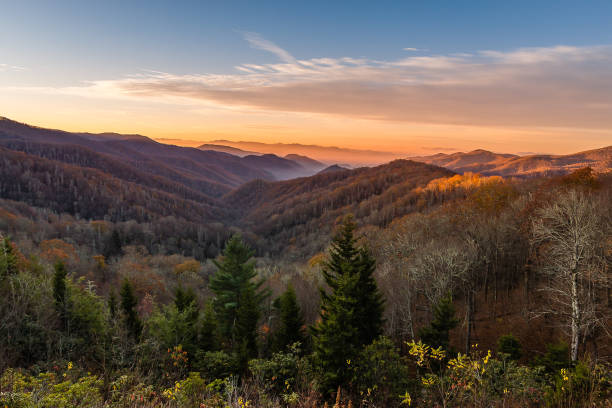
(489, 163)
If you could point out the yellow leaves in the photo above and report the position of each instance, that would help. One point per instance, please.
(316, 260)
(487, 357)
(171, 393)
(459, 362)
(190, 265)
(419, 350)
(100, 261)
(70, 365)
(429, 380)
(564, 374)
(406, 399)
(438, 354)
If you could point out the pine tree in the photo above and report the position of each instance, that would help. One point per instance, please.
(370, 308)
(186, 302)
(59, 286)
(59, 293)
(112, 304)
(237, 299)
(444, 320)
(186, 320)
(245, 332)
(208, 331)
(8, 259)
(128, 307)
(291, 325)
(351, 313)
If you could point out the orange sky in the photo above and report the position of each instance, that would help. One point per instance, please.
(545, 100)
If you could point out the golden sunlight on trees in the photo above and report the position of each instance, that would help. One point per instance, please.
(189, 266)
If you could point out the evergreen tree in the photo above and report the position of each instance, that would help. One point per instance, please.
(208, 330)
(510, 345)
(186, 321)
(245, 333)
(183, 298)
(128, 307)
(237, 299)
(437, 333)
(59, 287)
(290, 329)
(351, 313)
(8, 259)
(60, 293)
(112, 304)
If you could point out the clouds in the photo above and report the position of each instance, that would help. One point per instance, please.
(559, 86)
(258, 42)
(7, 67)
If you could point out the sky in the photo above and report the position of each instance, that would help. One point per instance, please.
(414, 77)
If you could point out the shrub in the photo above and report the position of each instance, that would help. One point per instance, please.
(380, 375)
(510, 345)
(216, 365)
(279, 374)
(556, 357)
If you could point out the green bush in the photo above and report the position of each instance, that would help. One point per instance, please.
(216, 365)
(510, 345)
(581, 386)
(556, 357)
(279, 374)
(380, 375)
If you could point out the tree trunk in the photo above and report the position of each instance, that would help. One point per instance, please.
(469, 318)
(575, 317)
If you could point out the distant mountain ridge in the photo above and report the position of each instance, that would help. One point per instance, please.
(283, 168)
(332, 168)
(510, 165)
(206, 195)
(326, 154)
(212, 173)
(226, 149)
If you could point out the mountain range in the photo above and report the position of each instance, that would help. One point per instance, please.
(326, 154)
(203, 193)
(507, 165)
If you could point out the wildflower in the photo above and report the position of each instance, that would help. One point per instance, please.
(564, 374)
(70, 365)
(487, 357)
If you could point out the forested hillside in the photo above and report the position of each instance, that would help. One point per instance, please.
(159, 282)
(483, 292)
(302, 212)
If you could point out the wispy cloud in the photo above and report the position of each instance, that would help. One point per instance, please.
(558, 86)
(258, 42)
(7, 67)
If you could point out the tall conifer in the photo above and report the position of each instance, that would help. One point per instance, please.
(128, 307)
(291, 324)
(238, 298)
(351, 312)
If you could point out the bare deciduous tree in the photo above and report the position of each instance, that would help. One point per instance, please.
(570, 235)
